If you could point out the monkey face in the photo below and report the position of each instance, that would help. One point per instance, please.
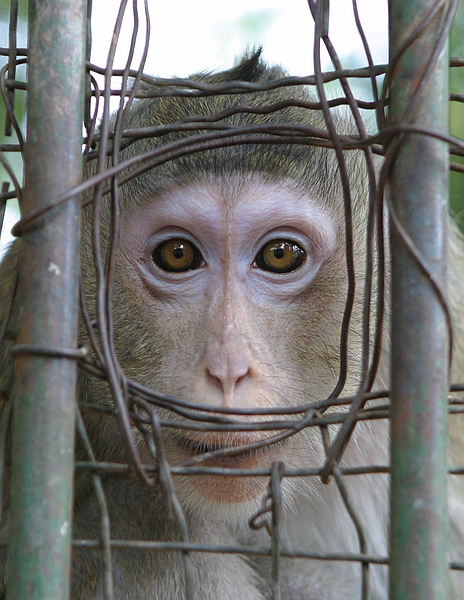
(220, 276)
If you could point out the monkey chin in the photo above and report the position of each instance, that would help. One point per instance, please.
(209, 491)
(230, 489)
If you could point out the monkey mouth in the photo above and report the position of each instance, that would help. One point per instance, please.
(244, 455)
(231, 452)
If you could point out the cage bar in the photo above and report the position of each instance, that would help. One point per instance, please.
(420, 341)
(46, 350)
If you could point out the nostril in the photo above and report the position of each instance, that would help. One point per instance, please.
(240, 378)
(214, 378)
(228, 371)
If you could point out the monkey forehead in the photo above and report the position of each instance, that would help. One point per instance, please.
(237, 208)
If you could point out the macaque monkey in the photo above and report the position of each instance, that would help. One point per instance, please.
(229, 290)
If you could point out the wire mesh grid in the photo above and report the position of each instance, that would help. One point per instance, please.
(118, 404)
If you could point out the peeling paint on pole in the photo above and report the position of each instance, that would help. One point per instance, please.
(420, 358)
(44, 393)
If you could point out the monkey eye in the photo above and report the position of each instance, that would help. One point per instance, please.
(177, 255)
(280, 256)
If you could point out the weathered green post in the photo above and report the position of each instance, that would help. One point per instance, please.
(420, 357)
(43, 402)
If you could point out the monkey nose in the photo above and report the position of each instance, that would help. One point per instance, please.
(228, 370)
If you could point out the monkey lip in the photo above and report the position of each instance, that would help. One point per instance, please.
(233, 452)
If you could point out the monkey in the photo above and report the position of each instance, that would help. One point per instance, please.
(229, 290)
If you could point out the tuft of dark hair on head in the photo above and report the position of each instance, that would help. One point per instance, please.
(250, 68)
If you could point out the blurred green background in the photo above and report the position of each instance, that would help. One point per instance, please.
(457, 113)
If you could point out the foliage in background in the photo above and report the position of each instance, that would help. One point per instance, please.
(457, 112)
(20, 97)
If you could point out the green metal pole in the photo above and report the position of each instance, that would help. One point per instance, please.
(419, 194)
(44, 392)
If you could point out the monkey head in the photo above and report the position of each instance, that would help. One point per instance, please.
(231, 280)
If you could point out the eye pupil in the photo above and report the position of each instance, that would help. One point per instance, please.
(177, 255)
(280, 256)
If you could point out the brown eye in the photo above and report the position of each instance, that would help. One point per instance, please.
(280, 256)
(177, 255)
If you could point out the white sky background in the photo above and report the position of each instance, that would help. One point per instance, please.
(194, 35)
(188, 36)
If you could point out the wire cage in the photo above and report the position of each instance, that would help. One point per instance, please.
(173, 495)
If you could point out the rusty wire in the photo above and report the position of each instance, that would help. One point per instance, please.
(137, 405)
